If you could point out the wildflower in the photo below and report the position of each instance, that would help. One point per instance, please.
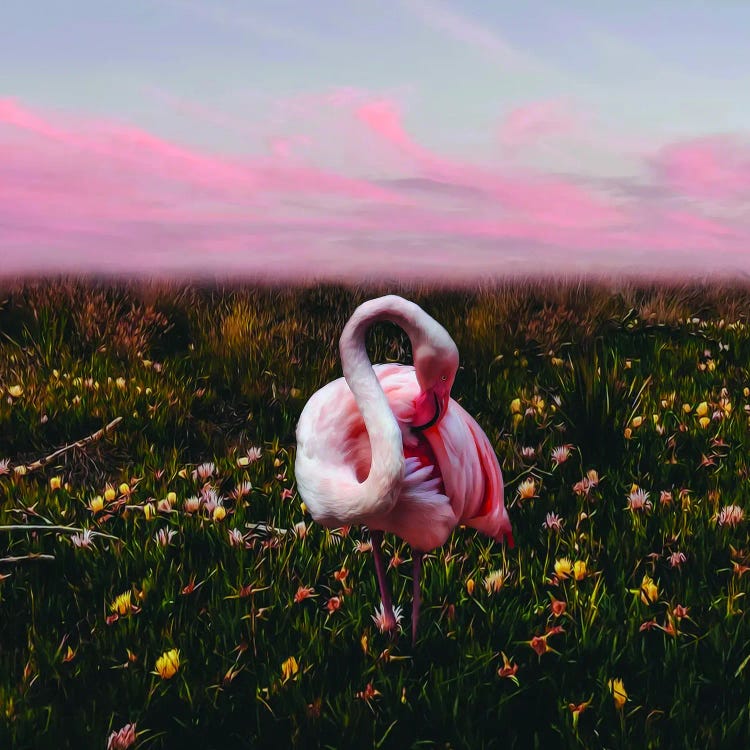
(702, 409)
(619, 695)
(508, 669)
(192, 504)
(164, 506)
(558, 607)
(637, 422)
(164, 537)
(168, 664)
(4, 466)
(55, 483)
(303, 592)
(395, 561)
(560, 454)
(287, 494)
(649, 590)
(579, 570)
(515, 406)
(121, 383)
(236, 538)
(109, 493)
(368, 694)
(704, 422)
(220, 513)
(539, 644)
(123, 604)
(563, 568)
(686, 408)
(665, 497)
(125, 489)
(679, 611)
(495, 581)
(527, 489)
(381, 621)
(362, 547)
(96, 505)
(242, 489)
(528, 453)
(553, 522)
(638, 500)
(333, 604)
(730, 515)
(84, 540)
(16, 391)
(676, 559)
(254, 454)
(628, 433)
(122, 739)
(470, 587)
(576, 710)
(211, 499)
(204, 470)
(149, 512)
(289, 668)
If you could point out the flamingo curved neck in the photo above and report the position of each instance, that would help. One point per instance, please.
(378, 493)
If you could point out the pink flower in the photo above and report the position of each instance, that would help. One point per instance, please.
(730, 515)
(676, 559)
(122, 739)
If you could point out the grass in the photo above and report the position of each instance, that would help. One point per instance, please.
(648, 386)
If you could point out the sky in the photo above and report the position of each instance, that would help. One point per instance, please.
(432, 140)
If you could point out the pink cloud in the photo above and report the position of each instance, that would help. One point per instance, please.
(78, 193)
(526, 125)
(706, 167)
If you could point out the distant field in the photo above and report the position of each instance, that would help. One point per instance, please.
(184, 589)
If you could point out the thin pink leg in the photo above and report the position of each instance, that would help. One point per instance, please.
(417, 569)
(385, 594)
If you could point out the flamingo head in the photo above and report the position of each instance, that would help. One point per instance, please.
(436, 364)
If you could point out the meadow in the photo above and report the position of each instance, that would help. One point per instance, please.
(161, 584)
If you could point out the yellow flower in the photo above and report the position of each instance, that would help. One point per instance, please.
(55, 483)
(172, 497)
(702, 409)
(563, 567)
(579, 570)
(124, 488)
(363, 642)
(687, 408)
(122, 604)
(168, 664)
(655, 418)
(16, 391)
(538, 403)
(220, 513)
(182, 473)
(649, 590)
(704, 422)
(711, 365)
(243, 461)
(746, 391)
(149, 511)
(303, 507)
(637, 421)
(515, 406)
(120, 383)
(618, 692)
(470, 586)
(109, 493)
(628, 433)
(527, 489)
(289, 668)
(97, 504)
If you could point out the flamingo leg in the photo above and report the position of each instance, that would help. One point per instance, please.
(417, 569)
(385, 594)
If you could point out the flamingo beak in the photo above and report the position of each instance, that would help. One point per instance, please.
(428, 410)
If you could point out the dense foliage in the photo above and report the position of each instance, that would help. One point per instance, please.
(184, 589)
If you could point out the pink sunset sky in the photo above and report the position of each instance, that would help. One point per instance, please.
(426, 140)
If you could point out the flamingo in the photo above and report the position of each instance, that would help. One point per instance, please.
(387, 447)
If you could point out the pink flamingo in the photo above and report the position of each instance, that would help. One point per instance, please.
(387, 447)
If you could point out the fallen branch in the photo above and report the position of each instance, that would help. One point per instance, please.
(79, 444)
(61, 529)
(32, 556)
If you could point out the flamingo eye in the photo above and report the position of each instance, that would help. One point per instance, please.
(443, 377)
